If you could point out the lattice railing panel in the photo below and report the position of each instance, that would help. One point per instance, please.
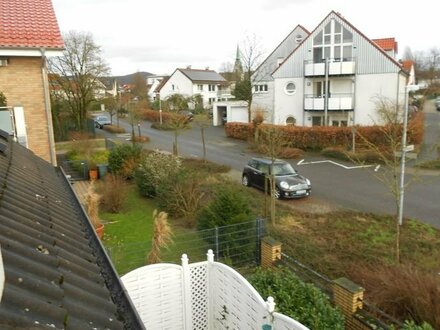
(236, 304)
(157, 294)
(199, 296)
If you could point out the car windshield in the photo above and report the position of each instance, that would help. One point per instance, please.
(283, 169)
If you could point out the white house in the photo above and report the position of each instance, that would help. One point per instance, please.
(263, 82)
(190, 82)
(335, 57)
(153, 82)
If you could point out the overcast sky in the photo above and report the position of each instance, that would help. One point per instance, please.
(159, 36)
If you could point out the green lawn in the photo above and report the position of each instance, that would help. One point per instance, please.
(128, 235)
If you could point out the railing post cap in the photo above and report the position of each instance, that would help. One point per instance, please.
(184, 259)
(270, 304)
(210, 255)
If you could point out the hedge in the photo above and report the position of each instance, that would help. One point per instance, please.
(321, 137)
(154, 116)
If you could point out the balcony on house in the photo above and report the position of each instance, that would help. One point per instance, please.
(336, 101)
(335, 67)
(201, 296)
(224, 94)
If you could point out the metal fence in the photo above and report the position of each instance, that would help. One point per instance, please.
(237, 245)
(370, 314)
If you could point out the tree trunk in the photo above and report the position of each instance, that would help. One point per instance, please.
(398, 242)
(272, 199)
(202, 131)
(175, 151)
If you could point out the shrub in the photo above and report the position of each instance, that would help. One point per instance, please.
(405, 292)
(114, 129)
(240, 131)
(124, 159)
(229, 207)
(113, 190)
(154, 169)
(181, 195)
(301, 301)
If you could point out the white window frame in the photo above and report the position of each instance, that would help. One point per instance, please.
(290, 92)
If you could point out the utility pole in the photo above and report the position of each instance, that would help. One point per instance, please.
(408, 88)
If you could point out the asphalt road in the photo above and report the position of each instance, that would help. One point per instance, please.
(349, 188)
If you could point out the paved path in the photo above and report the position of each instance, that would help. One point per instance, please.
(428, 149)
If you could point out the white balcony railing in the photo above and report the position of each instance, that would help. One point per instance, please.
(201, 296)
(334, 67)
(335, 102)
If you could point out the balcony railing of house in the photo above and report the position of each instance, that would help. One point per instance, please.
(201, 296)
(336, 101)
(333, 66)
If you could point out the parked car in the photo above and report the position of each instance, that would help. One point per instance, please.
(100, 121)
(288, 183)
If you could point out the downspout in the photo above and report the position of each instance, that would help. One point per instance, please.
(47, 107)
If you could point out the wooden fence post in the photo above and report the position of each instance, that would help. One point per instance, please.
(270, 252)
(349, 296)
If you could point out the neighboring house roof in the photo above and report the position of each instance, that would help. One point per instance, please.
(339, 16)
(407, 65)
(196, 75)
(29, 24)
(161, 84)
(283, 50)
(387, 44)
(57, 273)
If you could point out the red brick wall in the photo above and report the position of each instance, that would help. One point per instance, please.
(22, 84)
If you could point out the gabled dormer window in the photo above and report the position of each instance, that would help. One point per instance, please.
(334, 43)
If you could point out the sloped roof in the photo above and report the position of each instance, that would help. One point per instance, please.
(354, 28)
(196, 75)
(407, 65)
(386, 44)
(57, 274)
(29, 24)
(161, 84)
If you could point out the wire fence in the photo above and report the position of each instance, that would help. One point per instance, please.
(237, 245)
(370, 314)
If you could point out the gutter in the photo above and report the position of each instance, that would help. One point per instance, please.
(125, 307)
(52, 154)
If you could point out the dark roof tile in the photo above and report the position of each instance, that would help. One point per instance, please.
(56, 271)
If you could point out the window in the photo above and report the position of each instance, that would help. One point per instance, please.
(290, 88)
(173, 87)
(211, 100)
(200, 88)
(211, 88)
(333, 42)
(260, 88)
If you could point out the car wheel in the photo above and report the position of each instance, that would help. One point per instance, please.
(101, 126)
(245, 180)
(277, 193)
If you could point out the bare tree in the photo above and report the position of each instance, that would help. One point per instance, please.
(76, 73)
(275, 140)
(390, 125)
(251, 57)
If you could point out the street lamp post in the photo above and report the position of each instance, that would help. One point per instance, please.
(160, 111)
(408, 88)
